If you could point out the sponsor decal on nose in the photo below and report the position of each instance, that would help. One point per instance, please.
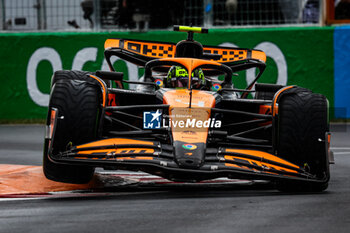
(189, 146)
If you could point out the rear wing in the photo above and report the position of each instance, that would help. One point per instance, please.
(145, 51)
(140, 52)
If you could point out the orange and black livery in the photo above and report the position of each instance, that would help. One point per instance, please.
(186, 128)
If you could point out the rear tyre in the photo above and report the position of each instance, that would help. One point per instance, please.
(266, 91)
(303, 123)
(78, 103)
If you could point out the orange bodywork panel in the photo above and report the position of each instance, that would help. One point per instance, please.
(118, 159)
(259, 55)
(119, 151)
(265, 109)
(181, 98)
(258, 158)
(261, 155)
(136, 158)
(179, 110)
(240, 166)
(125, 148)
(260, 164)
(115, 141)
(53, 116)
(275, 106)
(103, 89)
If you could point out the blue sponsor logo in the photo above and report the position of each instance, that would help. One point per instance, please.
(152, 120)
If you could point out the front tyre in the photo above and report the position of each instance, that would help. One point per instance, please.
(78, 104)
(301, 138)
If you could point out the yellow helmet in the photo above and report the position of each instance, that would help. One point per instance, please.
(178, 78)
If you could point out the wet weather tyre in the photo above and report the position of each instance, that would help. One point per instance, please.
(302, 127)
(78, 104)
(266, 91)
(71, 75)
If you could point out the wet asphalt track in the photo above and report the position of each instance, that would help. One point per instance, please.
(202, 210)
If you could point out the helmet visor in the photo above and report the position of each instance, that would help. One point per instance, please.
(181, 82)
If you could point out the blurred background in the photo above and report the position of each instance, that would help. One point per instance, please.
(53, 15)
(306, 42)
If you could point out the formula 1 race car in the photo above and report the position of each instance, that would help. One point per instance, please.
(185, 121)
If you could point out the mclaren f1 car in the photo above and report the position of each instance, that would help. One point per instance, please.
(185, 120)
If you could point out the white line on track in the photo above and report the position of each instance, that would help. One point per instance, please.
(342, 153)
(340, 148)
(22, 199)
(61, 195)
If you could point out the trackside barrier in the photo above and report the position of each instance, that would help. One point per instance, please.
(298, 56)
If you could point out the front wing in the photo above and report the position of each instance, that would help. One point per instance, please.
(158, 159)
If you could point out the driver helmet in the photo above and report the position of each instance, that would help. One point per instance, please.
(178, 78)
